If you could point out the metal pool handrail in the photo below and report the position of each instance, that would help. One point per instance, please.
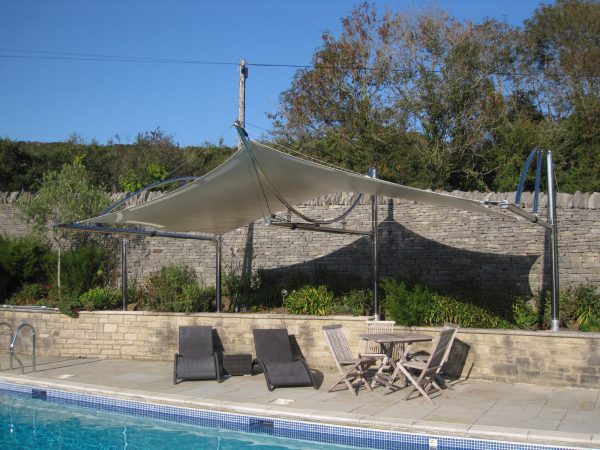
(12, 346)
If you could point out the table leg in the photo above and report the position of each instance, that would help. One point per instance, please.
(387, 364)
(398, 372)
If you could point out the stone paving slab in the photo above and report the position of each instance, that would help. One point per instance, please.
(481, 409)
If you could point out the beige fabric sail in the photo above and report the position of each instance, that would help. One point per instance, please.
(252, 184)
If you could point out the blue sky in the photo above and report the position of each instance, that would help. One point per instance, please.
(49, 99)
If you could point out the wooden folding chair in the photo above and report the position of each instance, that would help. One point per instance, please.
(352, 369)
(372, 348)
(424, 356)
(427, 371)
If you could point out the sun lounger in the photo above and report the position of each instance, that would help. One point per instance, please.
(280, 367)
(196, 359)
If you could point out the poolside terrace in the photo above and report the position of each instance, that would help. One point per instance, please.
(517, 412)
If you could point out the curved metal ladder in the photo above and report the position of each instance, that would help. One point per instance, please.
(12, 346)
(10, 332)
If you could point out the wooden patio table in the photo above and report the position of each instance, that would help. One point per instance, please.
(388, 341)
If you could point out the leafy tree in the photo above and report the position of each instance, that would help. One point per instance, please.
(339, 110)
(154, 173)
(14, 163)
(446, 79)
(22, 260)
(22, 164)
(562, 50)
(561, 41)
(439, 103)
(64, 197)
(416, 94)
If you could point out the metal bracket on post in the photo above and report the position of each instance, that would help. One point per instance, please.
(375, 236)
(124, 241)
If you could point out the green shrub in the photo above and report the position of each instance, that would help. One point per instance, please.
(69, 304)
(66, 301)
(29, 294)
(406, 307)
(175, 289)
(135, 295)
(22, 260)
(355, 302)
(420, 306)
(85, 267)
(265, 291)
(234, 287)
(312, 300)
(99, 298)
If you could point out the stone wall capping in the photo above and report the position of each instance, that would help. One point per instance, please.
(593, 201)
(504, 332)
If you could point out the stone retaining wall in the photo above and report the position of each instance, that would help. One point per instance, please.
(546, 358)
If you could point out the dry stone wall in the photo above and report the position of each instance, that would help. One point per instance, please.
(437, 245)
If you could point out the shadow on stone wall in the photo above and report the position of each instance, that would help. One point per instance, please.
(409, 256)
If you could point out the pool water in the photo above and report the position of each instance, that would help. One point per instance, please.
(28, 423)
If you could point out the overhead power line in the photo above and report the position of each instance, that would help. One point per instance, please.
(42, 54)
(69, 56)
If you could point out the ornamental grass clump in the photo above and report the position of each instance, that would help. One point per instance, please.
(579, 308)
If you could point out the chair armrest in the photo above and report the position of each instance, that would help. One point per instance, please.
(372, 355)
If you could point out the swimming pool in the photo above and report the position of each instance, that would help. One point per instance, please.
(33, 424)
(47, 418)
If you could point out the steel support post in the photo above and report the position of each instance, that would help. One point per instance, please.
(124, 272)
(555, 323)
(218, 245)
(375, 240)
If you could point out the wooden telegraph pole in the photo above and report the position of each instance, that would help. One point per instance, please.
(247, 262)
(242, 120)
(242, 111)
